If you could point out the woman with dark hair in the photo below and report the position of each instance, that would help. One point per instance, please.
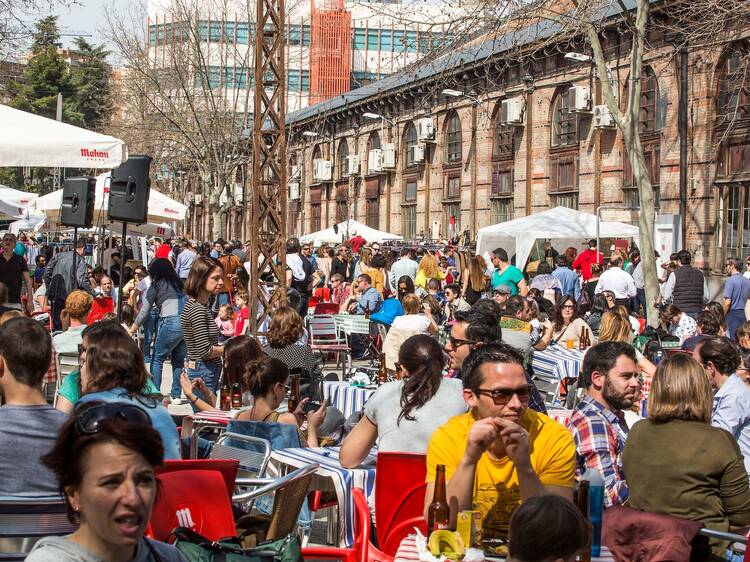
(474, 279)
(242, 279)
(284, 334)
(567, 324)
(717, 311)
(405, 287)
(165, 294)
(403, 414)
(238, 353)
(198, 326)
(268, 380)
(599, 306)
(112, 370)
(104, 460)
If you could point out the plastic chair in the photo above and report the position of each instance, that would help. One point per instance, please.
(399, 498)
(326, 338)
(25, 520)
(196, 499)
(66, 364)
(326, 308)
(362, 550)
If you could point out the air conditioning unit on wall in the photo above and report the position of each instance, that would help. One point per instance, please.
(579, 98)
(389, 156)
(418, 153)
(322, 170)
(425, 129)
(293, 191)
(375, 161)
(511, 111)
(603, 117)
(352, 164)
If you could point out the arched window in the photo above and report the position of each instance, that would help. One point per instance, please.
(373, 141)
(648, 127)
(733, 167)
(503, 154)
(453, 138)
(410, 143)
(564, 121)
(563, 158)
(372, 186)
(343, 161)
(315, 194)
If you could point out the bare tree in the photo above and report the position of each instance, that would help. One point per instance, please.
(187, 93)
(17, 23)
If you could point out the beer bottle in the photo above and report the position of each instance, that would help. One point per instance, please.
(582, 501)
(382, 372)
(439, 513)
(236, 395)
(582, 338)
(294, 393)
(225, 398)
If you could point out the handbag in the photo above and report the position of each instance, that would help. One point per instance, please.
(197, 548)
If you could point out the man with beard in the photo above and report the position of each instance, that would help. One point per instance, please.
(612, 382)
(500, 453)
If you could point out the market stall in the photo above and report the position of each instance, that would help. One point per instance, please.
(343, 231)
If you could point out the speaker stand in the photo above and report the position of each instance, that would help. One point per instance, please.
(123, 255)
(75, 258)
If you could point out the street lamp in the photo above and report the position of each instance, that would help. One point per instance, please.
(580, 57)
(459, 94)
(309, 134)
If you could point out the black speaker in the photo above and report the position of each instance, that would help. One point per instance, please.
(129, 190)
(78, 200)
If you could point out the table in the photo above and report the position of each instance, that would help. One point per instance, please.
(330, 476)
(352, 324)
(560, 415)
(345, 397)
(407, 552)
(557, 363)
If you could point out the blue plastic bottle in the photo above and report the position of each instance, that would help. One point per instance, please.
(596, 507)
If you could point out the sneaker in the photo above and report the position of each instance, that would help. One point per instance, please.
(176, 401)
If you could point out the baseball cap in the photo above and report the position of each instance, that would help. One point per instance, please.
(503, 290)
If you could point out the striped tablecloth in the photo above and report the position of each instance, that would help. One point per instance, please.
(217, 416)
(352, 323)
(407, 552)
(560, 415)
(331, 475)
(557, 361)
(345, 397)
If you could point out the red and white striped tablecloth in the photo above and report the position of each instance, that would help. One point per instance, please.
(407, 552)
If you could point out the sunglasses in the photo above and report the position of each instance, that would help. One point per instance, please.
(568, 306)
(89, 421)
(501, 396)
(456, 343)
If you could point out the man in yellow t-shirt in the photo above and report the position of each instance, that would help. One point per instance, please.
(500, 453)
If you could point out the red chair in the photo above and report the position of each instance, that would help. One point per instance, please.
(227, 467)
(327, 308)
(399, 498)
(195, 499)
(362, 550)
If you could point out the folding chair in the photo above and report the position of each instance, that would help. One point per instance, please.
(66, 364)
(23, 521)
(252, 453)
(326, 338)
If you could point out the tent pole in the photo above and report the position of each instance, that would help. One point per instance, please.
(75, 257)
(123, 255)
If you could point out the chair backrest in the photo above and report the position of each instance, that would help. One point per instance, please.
(67, 363)
(30, 518)
(279, 435)
(399, 497)
(226, 467)
(287, 503)
(252, 453)
(326, 308)
(195, 499)
(322, 328)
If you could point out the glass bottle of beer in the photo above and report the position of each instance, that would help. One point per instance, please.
(294, 393)
(236, 395)
(582, 501)
(382, 372)
(225, 398)
(439, 513)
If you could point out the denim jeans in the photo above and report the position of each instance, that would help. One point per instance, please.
(210, 372)
(149, 327)
(169, 344)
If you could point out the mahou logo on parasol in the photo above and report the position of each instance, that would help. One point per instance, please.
(93, 153)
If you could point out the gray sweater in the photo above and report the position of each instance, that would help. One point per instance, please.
(61, 549)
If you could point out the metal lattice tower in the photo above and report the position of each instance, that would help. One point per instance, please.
(268, 235)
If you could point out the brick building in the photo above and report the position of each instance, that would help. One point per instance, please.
(497, 131)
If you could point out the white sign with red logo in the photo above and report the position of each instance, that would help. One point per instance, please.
(31, 140)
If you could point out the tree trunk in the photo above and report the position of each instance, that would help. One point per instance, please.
(646, 218)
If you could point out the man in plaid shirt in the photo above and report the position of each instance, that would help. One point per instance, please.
(611, 378)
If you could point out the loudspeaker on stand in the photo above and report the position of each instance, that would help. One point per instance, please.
(129, 191)
(78, 200)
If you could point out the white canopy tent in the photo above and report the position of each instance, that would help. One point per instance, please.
(31, 140)
(30, 223)
(349, 227)
(14, 203)
(566, 226)
(160, 207)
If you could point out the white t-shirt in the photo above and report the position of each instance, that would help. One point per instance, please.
(412, 322)
(40, 292)
(142, 287)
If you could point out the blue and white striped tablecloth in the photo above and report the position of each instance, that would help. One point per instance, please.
(347, 398)
(352, 323)
(344, 480)
(558, 362)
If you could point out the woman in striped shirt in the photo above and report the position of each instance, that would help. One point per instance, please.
(198, 326)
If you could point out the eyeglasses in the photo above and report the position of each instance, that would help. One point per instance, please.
(501, 396)
(568, 306)
(456, 343)
(89, 421)
(81, 349)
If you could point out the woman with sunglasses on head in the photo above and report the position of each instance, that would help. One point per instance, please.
(105, 459)
(113, 370)
(567, 324)
(403, 414)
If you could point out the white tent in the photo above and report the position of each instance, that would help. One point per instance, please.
(31, 140)
(14, 203)
(160, 207)
(149, 229)
(331, 236)
(30, 223)
(566, 226)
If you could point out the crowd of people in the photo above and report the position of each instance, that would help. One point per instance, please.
(459, 333)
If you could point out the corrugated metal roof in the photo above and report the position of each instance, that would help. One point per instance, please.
(455, 58)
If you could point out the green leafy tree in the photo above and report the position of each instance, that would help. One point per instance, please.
(90, 82)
